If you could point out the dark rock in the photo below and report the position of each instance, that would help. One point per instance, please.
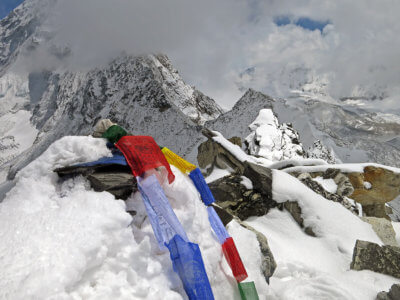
(295, 210)
(393, 294)
(236, 141)
(115, 179)
(306, 179)
(120, 184)
(236, 199)
(268, 263)
(223, 214)
(371, 256)
(261, 178)
(212, 154)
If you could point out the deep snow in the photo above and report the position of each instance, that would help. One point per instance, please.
(62, 240)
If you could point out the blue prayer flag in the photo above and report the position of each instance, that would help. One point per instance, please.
(201, 186)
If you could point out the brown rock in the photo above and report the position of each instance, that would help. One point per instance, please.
(385, 185)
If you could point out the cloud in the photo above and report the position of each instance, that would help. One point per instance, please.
(211, 42)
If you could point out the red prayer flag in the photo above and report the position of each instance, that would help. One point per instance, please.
(233, 258)
(142, 154)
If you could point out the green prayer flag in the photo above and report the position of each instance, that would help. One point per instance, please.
(248, 291)
(114, 133)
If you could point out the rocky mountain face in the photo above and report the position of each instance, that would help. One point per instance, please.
(145, 94)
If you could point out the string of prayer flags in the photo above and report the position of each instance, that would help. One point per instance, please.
(142, 154)
(173, 159)
(188, 263)
(216, 225)
(248, 291)
(162, 217)
(202, 187)
(233, 258)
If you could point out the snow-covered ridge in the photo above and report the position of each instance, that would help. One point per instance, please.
(63, 240)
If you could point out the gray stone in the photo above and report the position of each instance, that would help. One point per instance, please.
(120, 184)
(115, 179)
(393, 294)
(268, 263)
(383, 229)
(371, 256)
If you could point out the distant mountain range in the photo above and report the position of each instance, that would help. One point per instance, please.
(147, 96)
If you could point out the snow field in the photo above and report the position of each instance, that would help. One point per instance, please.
(316, 267)
(62, 240)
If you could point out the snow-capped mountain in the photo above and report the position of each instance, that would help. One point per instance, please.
(145, 94)
(354, 134)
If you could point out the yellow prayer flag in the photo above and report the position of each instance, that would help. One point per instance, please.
(174, 159)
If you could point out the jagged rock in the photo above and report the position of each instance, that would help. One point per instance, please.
(231, 195)
(306, 179)
(384, 230)
(319, 150)
(268, 263)
(115, 179)
(120, 184)
(261, 178)
(223, 214)
(211, 153)
(393, 294)
(344, 186)
(372, 188)
(371, 256)
(295, 210)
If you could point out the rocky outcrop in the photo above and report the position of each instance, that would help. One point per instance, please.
(371, 256)
(295, 210)
(383, 229)
(306, 179)
(268, 264)
(115, 179)
(393, 294)
(375, 185)
(233, 196)
(211, 154)
(372, 188)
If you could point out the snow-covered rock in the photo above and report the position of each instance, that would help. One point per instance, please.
(271, 140)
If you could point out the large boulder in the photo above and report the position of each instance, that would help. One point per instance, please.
(371, 256)
(261, 178)
(374, 186)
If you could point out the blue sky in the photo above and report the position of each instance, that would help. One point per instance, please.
(8, 5)
(303, 22)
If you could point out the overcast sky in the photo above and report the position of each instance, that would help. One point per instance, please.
(211, 42)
